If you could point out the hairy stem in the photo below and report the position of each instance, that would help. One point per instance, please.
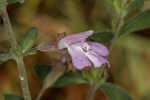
(9, 29)
(14, 46)
(23, 78)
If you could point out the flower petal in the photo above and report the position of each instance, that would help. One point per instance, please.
(92, 54)
(99, 48)
(74, 38)
(78, 58)
(97, 60)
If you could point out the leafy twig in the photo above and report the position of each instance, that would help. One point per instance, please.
(14, 46)
(95, 84)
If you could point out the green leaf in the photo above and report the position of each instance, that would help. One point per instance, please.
(42, 71)
(114, 92)
(102, 37)
(29, 39)
(5, 57)
(88, 77)
(47, 74)
(12, 97)
(69, 78)
(135, 5)
(138, 22)
(15, 1)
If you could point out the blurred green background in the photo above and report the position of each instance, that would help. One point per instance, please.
(130, 57)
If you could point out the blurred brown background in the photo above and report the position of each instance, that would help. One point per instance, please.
(131, 54)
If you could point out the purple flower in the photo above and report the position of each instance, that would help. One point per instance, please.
(84, 53)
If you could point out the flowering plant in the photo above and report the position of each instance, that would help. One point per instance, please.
(86, 50)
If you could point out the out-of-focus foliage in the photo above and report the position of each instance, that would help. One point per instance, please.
(133, 65)
(12, 97)
(102, 37)
(68, 78)
(139, 22)
(15, 1)
(114, 92)
(42, 71)
(135, 5)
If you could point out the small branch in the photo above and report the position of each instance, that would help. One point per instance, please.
(116, 31)
(14, 46)
(52, 77)
(40, 93)
(92, 92)
(23, 78)
(95, 84)
(9, 29)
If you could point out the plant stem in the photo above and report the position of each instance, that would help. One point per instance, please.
(95, 84)
(40, 93)
(91, 92)
(9, 29)
(14, 46)
(52, 77)
(23, 78)
(117, 27)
